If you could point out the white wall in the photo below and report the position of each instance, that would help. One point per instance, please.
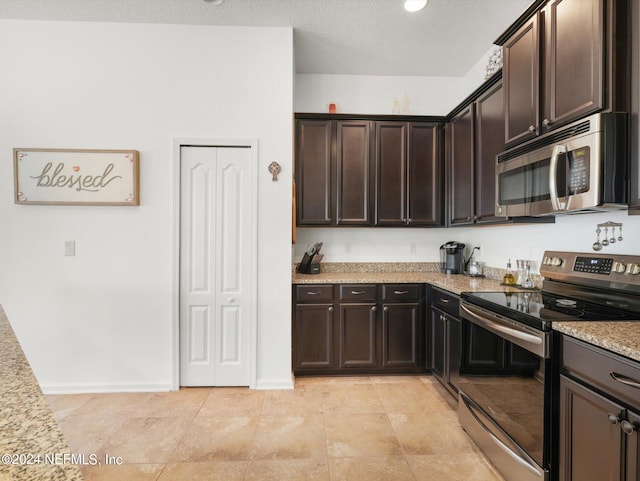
(361, 94)
(499, 243)
(102, 320)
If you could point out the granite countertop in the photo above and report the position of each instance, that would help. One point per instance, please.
(29, 434)
(400, 273)
(621, 337)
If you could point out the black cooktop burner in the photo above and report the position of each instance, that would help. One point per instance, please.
(539, 309)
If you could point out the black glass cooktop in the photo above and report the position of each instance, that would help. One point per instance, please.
(539, 309)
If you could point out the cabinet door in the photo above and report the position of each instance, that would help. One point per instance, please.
(358, 335)
(590, 435)
(453, 353)
(521, 76)
(632, 447)
(461, 167)
(489, 143)
(438, 347)
(391, 173)
(353, 166)
(424, 182)
(574, 60)
(313, 336)
(634, 119)
(315, 203)
(401, 335)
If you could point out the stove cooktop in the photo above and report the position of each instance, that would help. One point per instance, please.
(539, 309)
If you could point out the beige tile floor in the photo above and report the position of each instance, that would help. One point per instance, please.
(326, 429)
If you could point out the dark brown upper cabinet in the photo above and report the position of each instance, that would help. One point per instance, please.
(489, 138)
(353, 169)
(368, 170)
(460, 133)
(315, 203)
(474, 137)
(408, 174)
(333, 172)
(564, 62)
(634, 199)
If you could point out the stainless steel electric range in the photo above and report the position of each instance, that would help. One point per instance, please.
(509, 361)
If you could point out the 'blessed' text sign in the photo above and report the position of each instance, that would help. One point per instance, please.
(87, 177)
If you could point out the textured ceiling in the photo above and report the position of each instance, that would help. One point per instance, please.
(354, 37)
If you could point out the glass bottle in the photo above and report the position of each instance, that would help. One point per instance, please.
(520, 272)
(508, 278)
(527, 283)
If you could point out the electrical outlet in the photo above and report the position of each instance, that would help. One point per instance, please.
(70, 248)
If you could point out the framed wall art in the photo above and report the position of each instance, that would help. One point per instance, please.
(73, 176)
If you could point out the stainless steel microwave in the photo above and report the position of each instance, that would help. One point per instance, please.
(577, 168)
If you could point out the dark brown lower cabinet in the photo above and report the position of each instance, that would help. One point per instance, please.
(358, 329)
(599, 415)
(445, 362)
(358, 335)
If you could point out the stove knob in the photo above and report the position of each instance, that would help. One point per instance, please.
(618, 267)
(556, 261)
(546, 261)
(633, 269)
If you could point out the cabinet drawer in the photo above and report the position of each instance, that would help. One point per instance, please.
(614, 375)
(445, 300)
(358, 292)
(401, 292)
(314, 293)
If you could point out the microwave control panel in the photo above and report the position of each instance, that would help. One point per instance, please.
(579, 170)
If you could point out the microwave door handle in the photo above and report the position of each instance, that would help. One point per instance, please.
(553, 176)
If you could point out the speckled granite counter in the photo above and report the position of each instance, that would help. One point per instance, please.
(398, 273)
(27, 425)
(620, 337)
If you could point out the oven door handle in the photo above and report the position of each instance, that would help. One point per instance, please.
(533, 343)
(514, 451)
(553, 179)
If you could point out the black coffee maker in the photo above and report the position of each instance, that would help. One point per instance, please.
(452, 257)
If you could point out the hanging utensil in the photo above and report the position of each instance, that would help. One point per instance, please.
(605, 241)
(620, 233)
(597, 245)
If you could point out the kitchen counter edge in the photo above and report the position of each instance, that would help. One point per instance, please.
(27, 424)
(619, 337)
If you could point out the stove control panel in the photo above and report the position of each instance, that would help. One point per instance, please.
(614, 268)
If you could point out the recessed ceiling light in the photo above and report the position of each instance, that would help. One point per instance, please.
(414, 5)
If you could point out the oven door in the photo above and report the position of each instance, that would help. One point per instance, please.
(503, 392)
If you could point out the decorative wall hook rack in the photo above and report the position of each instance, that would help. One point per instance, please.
(274, 169)
(598, 244)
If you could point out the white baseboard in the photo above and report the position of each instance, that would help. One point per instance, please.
(103, 388)
(275, 383)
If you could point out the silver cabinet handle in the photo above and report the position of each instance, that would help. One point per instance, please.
(313, 293)
(386, 309)
(546, 122)
(400, 293)
(612, 418)
(444, 301)
(532, 128)
(374, 309)
(330, 309)
(357, 293)
(627, 427)
(627, 381)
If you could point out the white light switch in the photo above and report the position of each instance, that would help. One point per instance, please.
(69, 248)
